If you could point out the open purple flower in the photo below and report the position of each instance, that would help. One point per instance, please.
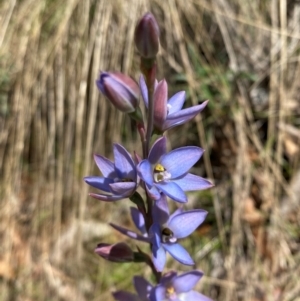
(167, 229)
(169, 113)
(173, 287)
(142, 287)
(168, 172)
(119, 179)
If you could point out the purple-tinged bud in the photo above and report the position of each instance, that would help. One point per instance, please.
(146, 36)
(160, 104)
(121, 90)
(119, 252)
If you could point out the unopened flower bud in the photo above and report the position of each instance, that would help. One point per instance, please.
(119, 252)
(146, 36)
(160, 104)
(121, 90)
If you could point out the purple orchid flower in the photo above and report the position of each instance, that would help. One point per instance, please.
(167, 229)
(176, 288)
(119, 179)
(142, 287)
(168, 172)
(139, 221)
(169, 113)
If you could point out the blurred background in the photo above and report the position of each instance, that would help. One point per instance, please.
(242, 55)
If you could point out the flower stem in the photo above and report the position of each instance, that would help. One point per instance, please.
(148, 67)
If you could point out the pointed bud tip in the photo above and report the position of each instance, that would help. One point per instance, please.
(146, 36)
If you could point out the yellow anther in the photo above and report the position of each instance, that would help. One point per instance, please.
(159, 168)
(170, 291)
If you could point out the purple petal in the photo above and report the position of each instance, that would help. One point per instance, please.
(153, 193)
(138, 219)
(159, 258)
(176, 102)
(125, 296)
(180, 160)
(129, 233)
(144, 90)
(99, 183)
(124, 164)
(100, 82)
(173, 191)
(195, 296)
(154, 236)
(179, 253)
(188, 112)
(158, 293)
(123, 188)
(167, 278)
(145, 172)
(190, 182)
(158, 149)
(186, 281)
(169, 124)
(160, 99)
(187, 222)
(178, 211)
(160, 211)
(183, 116)
(126, 82)
(106, 198)
(106, 166)
(142, 286)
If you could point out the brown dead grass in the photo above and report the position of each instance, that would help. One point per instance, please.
(52, 118)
